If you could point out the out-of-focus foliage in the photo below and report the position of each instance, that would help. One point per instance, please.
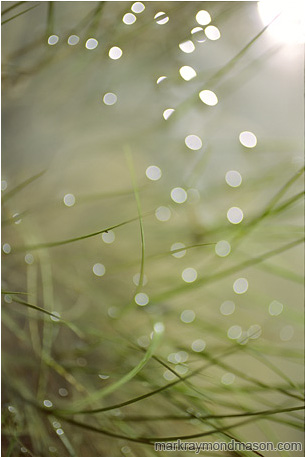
(152, 269)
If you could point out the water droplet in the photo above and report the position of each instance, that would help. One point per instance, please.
(52, 40)
(189, 275)
(254, 331)
(161, 18)
(53, 318)
(198, 345)
(286, 333)
(63, 392)
(137, 7)
(98, 269)
(198, 34)
(187, 73)
(193, 142)
(160, 79)
(47, 403)
(108, 237)
(59, 431)
(248, 139)
(227, 307)
(234, 332)
(109, 98)
(168, 375)
(178, 246)
(129, 18)
(73, 40)
(143, 341)
(163, 213)
(153, 172)
(275, 308)
(69, 200)
(235, 215)
(91, 43)
(240, 286)
(181, 356)
(3, 185)
(167, 113)
(187, 46)
(142, 299)
(178, 195)
(212, 33)
(233, 178)
(159, 327)
(203, 17)
(115, 53)
(187, 316)
(103, 377)
(223, 248)
(6, 248)
(208, 97)
(8, 298)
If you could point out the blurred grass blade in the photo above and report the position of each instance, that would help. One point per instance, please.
(19, 14)
(21, 186)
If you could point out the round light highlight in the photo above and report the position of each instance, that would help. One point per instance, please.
(240, 286)
(115, 53)
(248, 139)
(73, 40)
(187, 316)
(137, 7)
(108, 237)
(189, 275)
(223, 248)
(187, 46)
(129, 19)
(227, 308)
(212, 33)
(187, 72)
(275, 308)
(153, 172)
(142, 299)
(198, 345)
(52, 40)
(91, 43)
(69, 200)
(203, 17)
(163, 213)
(178, 246)
(233, 178)
(193, 142)
(98, 269)
(234, 332)
(198, 34)
(235, 215)
(161, 18)
(109, 98)
(167, 113)
(178, 195)
(208, 97)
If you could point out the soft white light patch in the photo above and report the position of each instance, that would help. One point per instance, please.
(187, 72)
(212, 33)
(98, 269)
(227, 308)
(178, 246)
(136, 279)
(163, 213)
(115, 53)
(198, 345)
(240, 286)
(193, 142)
(286, 333)
(208, 97)
(223, 248)
(129, 18)
(153, 172)
(91, 43)
(248, 139)
(73, 40)
(69, 200)
(187, 46)
(178, 195)
(29, 258)
(275, 308)
(203, 17)
(3, 185)
(189, 275)
(142, 299)
(167, 113)
(108, 237)
(159, 327)
(161, 18)
(109, 98)
(137, 7)
(289, 26)
(187, 316)
(233, 178)
(235, 215)
(52, 40)
(254, 331)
